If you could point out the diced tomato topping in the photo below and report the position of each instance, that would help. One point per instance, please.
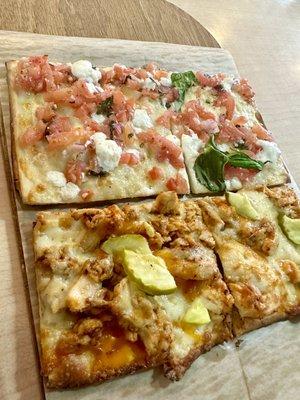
(177, 184)
(202, 122)
(163, 148)
(36, 74)
(74, 171)
(155, 173)
(33, 135)
(129, 159)
(167, 118)
(160, 73)
(122, 107)
(151, 67)
(132, 84)
(261, 132)
(239, 121)
(76, 95)
(45, 113)
(150, 93)
(231, 134)
(60, 133)
(209, 80)
(84, 111)
(121, 73)
(171, 95)
(244, 89)
(107, 76)
(226, 100)
(86, 194)
(243, 174)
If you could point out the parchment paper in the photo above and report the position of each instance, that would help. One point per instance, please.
(266, 364)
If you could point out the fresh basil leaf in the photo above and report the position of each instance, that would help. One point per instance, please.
(242, 160)
(209, 168)
(182, 81)
(105, 107)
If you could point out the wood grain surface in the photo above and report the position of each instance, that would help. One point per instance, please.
(147, 20)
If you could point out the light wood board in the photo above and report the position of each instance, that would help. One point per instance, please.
(224, 372)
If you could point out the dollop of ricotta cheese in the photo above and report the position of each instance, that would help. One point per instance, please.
(57, 178)
(141, 119)
(83, 69)
(269, 152)
(70, 191)
(108, 153)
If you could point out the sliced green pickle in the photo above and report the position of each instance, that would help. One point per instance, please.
(197, 313)
(116, 245)
(242, 205)
(291, 228)
(149, 272)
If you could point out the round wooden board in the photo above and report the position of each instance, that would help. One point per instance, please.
(148, 20)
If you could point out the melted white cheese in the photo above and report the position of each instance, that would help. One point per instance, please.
(57, 178)
(141, 119)
(108, 153)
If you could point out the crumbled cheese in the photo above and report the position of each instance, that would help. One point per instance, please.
(191, 145)
(57, 178)
(228, 82)
(141, 119)
(149, 84)
(223, 147)
(174, 139)
(233, 184)
(108, 153)
(135, 152)
(99, 118)
(84, 69)
(269, 152)
(165, 81)
(70, 191)
(93, 89)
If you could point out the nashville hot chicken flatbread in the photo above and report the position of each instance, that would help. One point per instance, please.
(257, 236)
(122, 289)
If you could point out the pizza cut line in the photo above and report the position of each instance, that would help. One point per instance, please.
(83, 133)
(132, 287)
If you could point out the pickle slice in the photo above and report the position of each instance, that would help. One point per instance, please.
(242, 205)
(291, 228)
(116, 245)
(197, 313)
(149, 272)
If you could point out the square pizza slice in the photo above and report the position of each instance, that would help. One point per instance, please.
(82, 133)
(224, 142)
(257, 241)
(122, 289)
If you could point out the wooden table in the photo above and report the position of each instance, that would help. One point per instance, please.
(154, 20)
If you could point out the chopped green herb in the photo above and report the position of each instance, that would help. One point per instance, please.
(209, 166)
(105, 107)
(182, 81)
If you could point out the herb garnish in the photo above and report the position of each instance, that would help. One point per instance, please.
(105, 107)
(182, 81)
(209, 166)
